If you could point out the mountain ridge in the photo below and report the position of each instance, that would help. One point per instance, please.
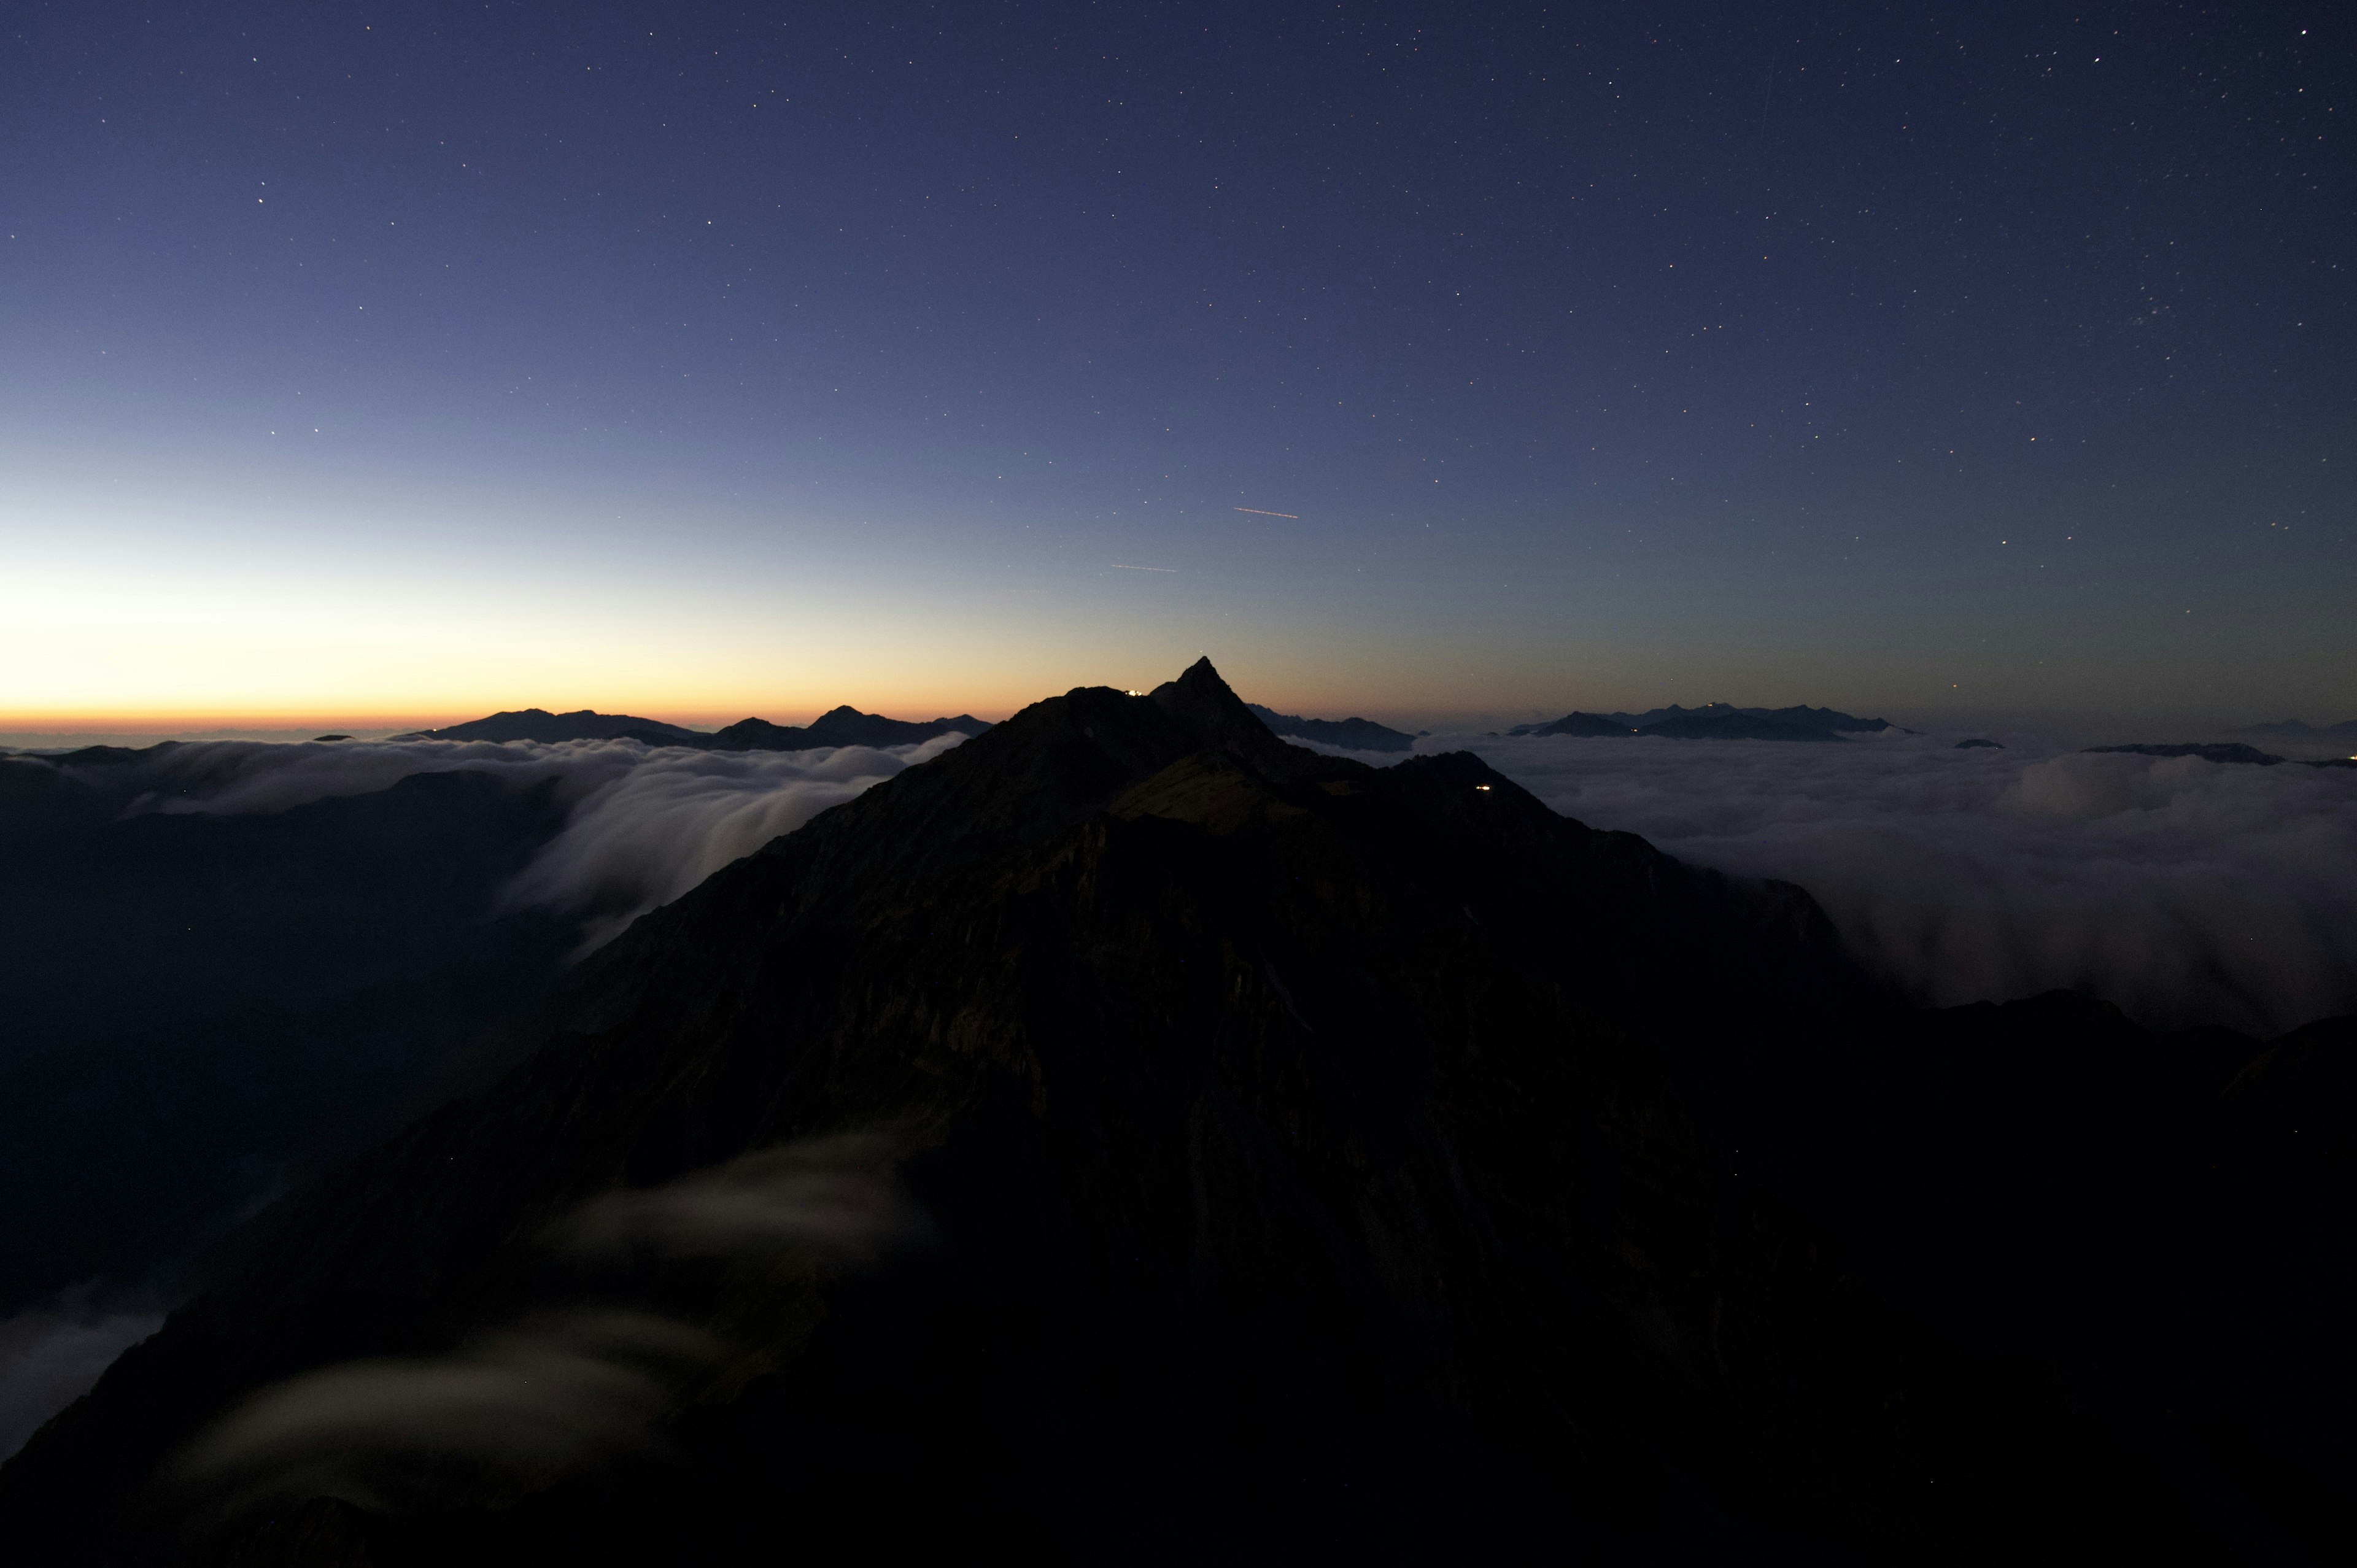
(843, 726)
(1713, 720)
(1357, 734)
(1318, 1154)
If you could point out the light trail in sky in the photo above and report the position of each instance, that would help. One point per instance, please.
(1119, 567)
(1257, 512)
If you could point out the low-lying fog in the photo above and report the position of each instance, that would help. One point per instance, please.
(2187, 892)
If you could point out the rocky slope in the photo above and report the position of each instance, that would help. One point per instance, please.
(1314, 1162)
(193, 1007)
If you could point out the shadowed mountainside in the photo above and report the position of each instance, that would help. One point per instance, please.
(1320, 1162)
(196, 1006)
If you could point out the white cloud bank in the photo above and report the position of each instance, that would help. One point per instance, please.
(2185, 891)
(570, 1388)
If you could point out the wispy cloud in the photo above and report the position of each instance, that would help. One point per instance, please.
(564, 1390)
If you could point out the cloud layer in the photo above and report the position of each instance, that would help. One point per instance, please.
(2187, 892)
(644, 823)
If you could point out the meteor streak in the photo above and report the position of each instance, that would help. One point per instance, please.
(1257, 512)
(1119, 567)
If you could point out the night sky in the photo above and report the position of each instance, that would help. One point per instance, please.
(699, 361)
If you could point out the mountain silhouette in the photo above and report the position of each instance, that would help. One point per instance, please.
(2228, 751)
(1714, 721)
(1357, 734)
(1314, 1162)
(839, 726)
(2295, 729)
(540, 724)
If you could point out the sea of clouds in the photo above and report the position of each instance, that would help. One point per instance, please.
(643, 823)
(2185, 892)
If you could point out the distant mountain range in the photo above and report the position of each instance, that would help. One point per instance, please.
(1714, 721)
(1360, 735)
(839, 726)
(2222, 751)
(2293, 729)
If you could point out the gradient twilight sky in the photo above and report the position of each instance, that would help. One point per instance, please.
(416, 360)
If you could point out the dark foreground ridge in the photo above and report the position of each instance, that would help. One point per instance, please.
(839, 726)
(1314, 1163)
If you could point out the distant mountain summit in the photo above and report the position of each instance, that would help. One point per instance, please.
(840, 727)
(1715, 721)
(2222, 751)
(540, 724)
(1577, 723)
(1358, 734)
(2295, 729)
(2211, 751)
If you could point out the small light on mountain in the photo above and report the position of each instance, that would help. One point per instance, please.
(1484, 787)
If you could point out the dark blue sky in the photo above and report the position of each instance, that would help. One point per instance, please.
(706, 359)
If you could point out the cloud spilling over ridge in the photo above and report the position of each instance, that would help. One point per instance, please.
(568, 1388)
(513, 1410)
(644, 823)
(2186, 891)
(649, 833)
